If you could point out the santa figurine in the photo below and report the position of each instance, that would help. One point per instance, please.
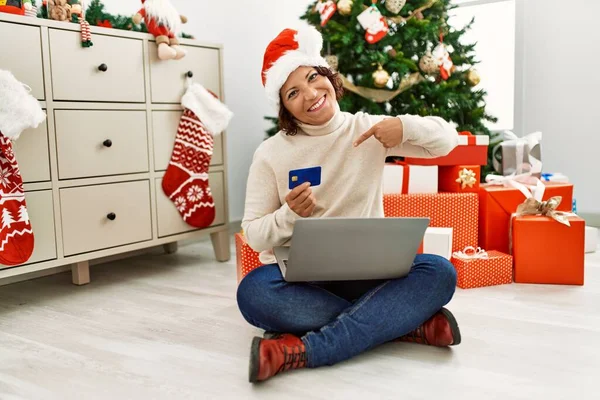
(164, 23)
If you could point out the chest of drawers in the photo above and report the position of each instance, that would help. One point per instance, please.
(93, 169)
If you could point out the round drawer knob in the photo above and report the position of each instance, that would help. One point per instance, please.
(112, 216)
(107, 143)
(190, 74)
(103, 67)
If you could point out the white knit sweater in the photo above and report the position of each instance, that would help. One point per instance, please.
(351, 177)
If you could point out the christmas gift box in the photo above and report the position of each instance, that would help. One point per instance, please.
(499, 200)
(480, 268)
(437, 241)
(519, 155)
(445, 210)
(246, 258)
(547, 245)
(471, 150)
(459, 178)
(591, 239)
(402, 178)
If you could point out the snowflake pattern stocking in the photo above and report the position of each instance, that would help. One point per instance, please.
(16, 234)
(186, 179)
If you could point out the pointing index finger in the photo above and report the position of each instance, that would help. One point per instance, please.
(364, 136)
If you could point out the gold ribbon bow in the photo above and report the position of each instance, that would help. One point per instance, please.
(466, 177)
(546, 208)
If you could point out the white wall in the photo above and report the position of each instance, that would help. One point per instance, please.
(494, 52)
(244, 28)
(559, 89)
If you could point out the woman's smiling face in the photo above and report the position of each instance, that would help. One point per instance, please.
(308, 96)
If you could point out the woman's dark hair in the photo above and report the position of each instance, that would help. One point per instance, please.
(286, 120)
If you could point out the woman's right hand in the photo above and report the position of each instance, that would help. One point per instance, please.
(301, 200)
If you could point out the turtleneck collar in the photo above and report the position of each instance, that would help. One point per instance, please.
(328, 127)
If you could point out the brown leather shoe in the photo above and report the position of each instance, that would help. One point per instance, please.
(269, 357)
(440, 330)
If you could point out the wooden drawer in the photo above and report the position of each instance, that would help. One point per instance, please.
(21, 54)
(170, 221)
(87, 212)
(99, 143)
(168, 78)
(32, 154)
(164, 127)
(41, 215)
(76, 74)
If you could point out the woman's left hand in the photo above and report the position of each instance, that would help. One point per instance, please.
(389, 132)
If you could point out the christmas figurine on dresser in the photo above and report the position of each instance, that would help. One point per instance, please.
(18, 111)
(164, 23)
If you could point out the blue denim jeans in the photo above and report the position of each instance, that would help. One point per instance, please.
(338, 320)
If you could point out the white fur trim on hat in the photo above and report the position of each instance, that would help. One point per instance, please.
(308, 53)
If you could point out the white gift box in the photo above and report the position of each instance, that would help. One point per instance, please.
(591, 239)
(438, 241)
(404, 179)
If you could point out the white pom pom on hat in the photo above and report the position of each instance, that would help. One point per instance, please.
(288, 51)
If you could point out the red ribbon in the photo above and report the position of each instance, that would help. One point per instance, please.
(471, 139)
(405, 175)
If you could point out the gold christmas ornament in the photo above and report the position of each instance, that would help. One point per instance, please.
(466, 177)
(332, 60)
(428, 64)
(380, 77)
(473, 78)
(345, 7)
(394, 6)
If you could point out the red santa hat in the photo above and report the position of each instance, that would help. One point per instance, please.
(288, 51)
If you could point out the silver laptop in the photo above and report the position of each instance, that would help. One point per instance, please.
(339, 249)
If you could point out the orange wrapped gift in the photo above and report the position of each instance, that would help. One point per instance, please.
(459, 178)
(478, 268)
(246, 258)
(445, 210)
(497, 203)
(471, 149)
(548, 248)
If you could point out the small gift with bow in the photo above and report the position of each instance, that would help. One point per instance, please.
(246, 258)
(519, 155)
(476, 267)
(500, 197)
(471, 150)
(459, 178)
(400, 177)
(547, 244)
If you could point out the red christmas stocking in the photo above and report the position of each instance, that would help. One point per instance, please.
(19, 111)
(16, 235)
(186, 179)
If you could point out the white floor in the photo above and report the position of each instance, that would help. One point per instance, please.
(167, 327)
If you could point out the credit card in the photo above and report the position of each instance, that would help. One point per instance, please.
(299, 176)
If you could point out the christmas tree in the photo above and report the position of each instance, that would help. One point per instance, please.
(402, 57)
